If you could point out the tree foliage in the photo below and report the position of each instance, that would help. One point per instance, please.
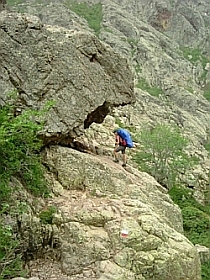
(19, 152)
(162, 154)
(196, 220)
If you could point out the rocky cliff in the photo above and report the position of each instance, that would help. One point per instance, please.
(54, 55)
(167, 46)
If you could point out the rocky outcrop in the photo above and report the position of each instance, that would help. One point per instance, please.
(204, 253)
(80, 74)
(184, 21)
(157, 59)
(99, 201)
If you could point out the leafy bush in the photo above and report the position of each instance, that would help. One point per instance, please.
(162, 154)
(46, 216)
(195, 55)
(132, 41)
(19, 158)
(207, 146)
(138, 69)
(184, 198)
(196, 217)
(196, 220)
(119, 123)
(92, 13)
(205, 272)
(19, 152)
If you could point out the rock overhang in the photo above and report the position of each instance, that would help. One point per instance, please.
(84, 77)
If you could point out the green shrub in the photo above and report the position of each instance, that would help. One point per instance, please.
(207, 146)
(195, 55)
(138, 69)
(132, 42)
(46, 216)
(205, 272)
(119, 123)
(162, 154)
(19, 158)
(92, 13)
(196, 220)
(19, 152)
(184, 198)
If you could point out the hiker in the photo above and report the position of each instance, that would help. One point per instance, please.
(120, 145)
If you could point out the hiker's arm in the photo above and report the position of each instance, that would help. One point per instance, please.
(117, 140)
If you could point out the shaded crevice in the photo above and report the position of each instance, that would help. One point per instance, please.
(64, 141)
(56, 139)
(97, 115)
(93, 58)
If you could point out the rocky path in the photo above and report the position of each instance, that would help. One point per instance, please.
(115, 191)
(69, 201)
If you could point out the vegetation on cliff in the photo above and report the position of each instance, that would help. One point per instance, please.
(19, 158)
(162, 155)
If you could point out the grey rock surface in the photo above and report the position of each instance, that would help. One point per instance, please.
(99, 200)
(61, 61)
(96, 201)
(204, 253)
(83, 76)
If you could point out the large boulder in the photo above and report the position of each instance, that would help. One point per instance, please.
(83, 76)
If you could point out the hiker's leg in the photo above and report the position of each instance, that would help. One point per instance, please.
(116, 150)
(116, 156)
(124, 157)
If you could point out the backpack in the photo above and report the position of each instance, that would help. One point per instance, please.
(125, 135)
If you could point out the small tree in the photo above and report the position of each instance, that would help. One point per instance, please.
(162, 154)
(19, 147)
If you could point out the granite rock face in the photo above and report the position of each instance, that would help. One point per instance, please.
(110, 223)
(80, 74)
